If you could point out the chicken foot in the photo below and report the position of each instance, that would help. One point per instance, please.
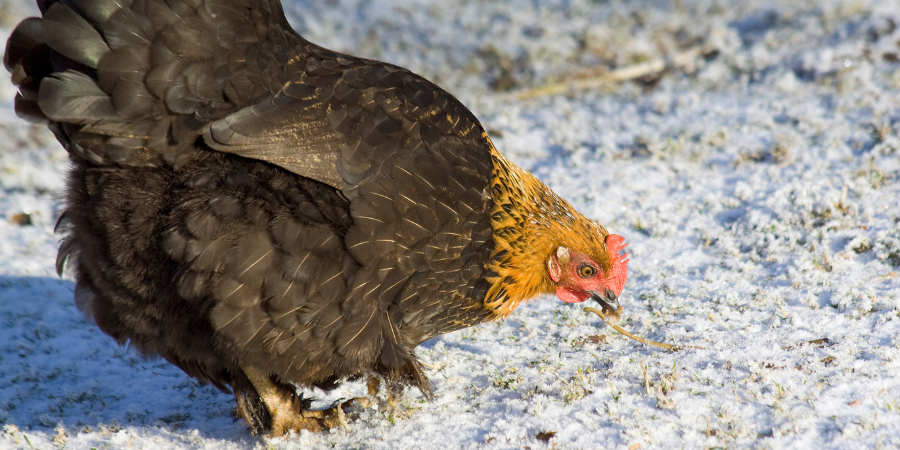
(287, 411)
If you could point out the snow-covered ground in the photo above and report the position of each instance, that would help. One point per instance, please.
(757, 181)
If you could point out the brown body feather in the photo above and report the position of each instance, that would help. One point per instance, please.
(242, 198)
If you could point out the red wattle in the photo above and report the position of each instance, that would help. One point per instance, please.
(571, 297)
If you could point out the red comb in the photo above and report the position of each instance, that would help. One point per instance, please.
(618, 275)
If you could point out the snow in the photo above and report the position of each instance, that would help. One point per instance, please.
(758, 186)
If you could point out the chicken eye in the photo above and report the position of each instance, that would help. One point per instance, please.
(586, 271)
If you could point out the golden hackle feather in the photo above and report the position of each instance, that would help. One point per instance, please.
(530, 223)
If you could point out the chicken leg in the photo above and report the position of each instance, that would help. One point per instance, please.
(282, 410)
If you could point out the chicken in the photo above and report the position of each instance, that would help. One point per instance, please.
(265, 213)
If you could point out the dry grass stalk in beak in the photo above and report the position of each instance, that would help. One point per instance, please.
(615, 317)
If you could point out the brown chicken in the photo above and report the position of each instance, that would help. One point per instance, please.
(265, 213)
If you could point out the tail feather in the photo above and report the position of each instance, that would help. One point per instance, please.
(72, 36)
(73, 97)
(95, 11)
(24, 38)
(133, 81)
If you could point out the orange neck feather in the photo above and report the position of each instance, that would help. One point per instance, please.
(529, 223)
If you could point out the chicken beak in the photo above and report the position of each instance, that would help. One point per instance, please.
(608, 300)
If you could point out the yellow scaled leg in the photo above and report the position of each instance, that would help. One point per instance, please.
(288, 414)
(395, 395)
